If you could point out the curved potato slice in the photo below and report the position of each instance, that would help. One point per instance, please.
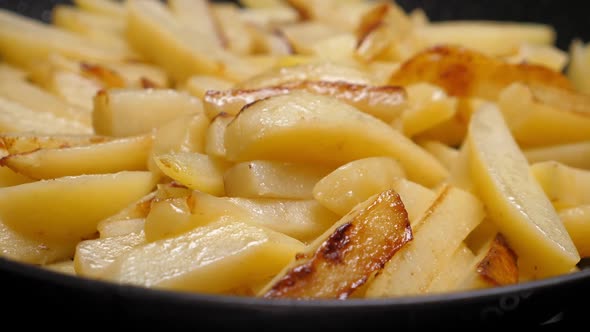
(322, 130)
(515, 201)
(466, 73)
(345, 256)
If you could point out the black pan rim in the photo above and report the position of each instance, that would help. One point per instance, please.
(73, 282)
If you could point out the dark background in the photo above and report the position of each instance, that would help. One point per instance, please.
(569, 18)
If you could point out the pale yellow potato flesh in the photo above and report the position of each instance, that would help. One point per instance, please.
(129, 112)
(125, 154)
(300, 219)
(461, 260)
(65, 267)
(16, 118)
(323, 130)
(74, 88)
(437, 236)
(194, 170)
(10, 178)
(544, 55)
(417, 199)
(208, 259)
(494, 38)
(93, 257)
(111, 228)
(103, 7)
(198, 17)
(572, 154)
(21, 248)
(535, 123)
(69, 208)
(198, 85)
(445, 154)
(513, 198)
(215, 137)
(565, 186)
(273, 179)
(356, 181)
(578, 70)
(136, 210)
(577, 222)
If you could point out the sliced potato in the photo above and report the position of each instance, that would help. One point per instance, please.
(104, 7)
(577, 222)
(209, 259)
(343, 258)
(570, 154)
(69, 208)
(273, 179)
(301, 219)
(198, 17)
(463, 72)
(444, 153)
(578, 70)
(324, 130)
(438, 235)
(129, 112)
(126, 154)
(16, 246)
(93, 257)
(24, 143)
(383, 102)
(111, 228)
(545, 55)
(356, 181)
(233, 29)
(10, 178)
(450, 275)
(490, 37)
(16, 118)
(74, 88)
(64, 266)
(417, 199)
(564, 186)
(198, 85)
(194, 170)
(215, 140)
(514, 200)
(535, 123)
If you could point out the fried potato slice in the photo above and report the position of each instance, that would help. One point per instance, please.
(383, 102)
(126, 154)
(437, 235)
(103, 7)
(215, 137)
(570, 154)
(24, 143)
(322, 130)
(208, 259)
(514, 199)
(565, 186)
(273, 179)
(343, 258)
(577, 222)
(69, 208)
(129, 112)
(355, 182)
(534, 123)
(466, 73)
(578, 69)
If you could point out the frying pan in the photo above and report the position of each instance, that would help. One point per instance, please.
(46, 299)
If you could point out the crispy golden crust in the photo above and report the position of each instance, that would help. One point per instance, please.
(354, 251)
(467, 73)
(499, 266)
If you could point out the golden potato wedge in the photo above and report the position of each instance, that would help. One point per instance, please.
(383, 102)
(301, 219)
(570, 154)
(565, 186)
(322, 71)
(437, 235)
(535, 123)
(215, 139)
(16, 246)
(10, 178)
(463, 72)
(129, 112)
(273, 179)
(16, 118)
(577, 222)
(429, 106)
(111, 227)
(40, 100)
(194, 170)
(342, 259)
(578, 69)
(69, 208)
(198, 85)
(490, 37)
(513, 198)
(93, 257)
(356, 181)
(323, 130)
(24, 41)
(199, 18)
(446, 280)
(24, 143)
(417, 199)
(208, 259)
(126, 154)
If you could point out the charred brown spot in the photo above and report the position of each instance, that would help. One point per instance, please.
(146, 83)
(371, 21)
(108, 77)
(303, 10)
(499, 266)
(334, 248)
(295, 276)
